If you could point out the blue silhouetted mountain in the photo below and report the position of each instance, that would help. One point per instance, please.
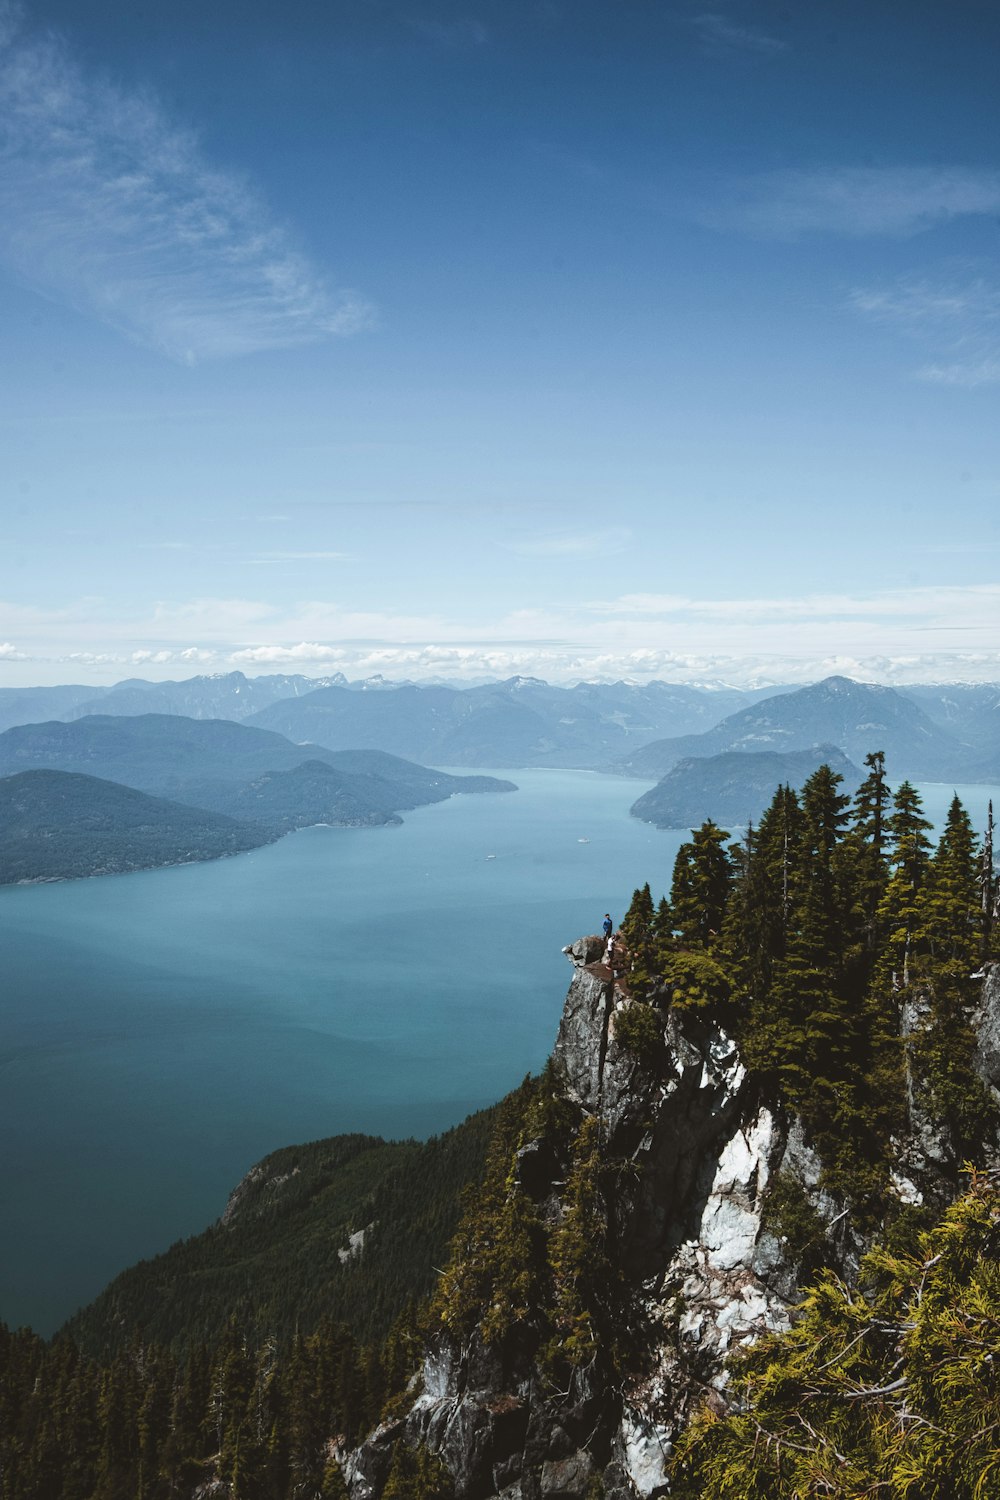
(233, 768)
(58, 825)
(35, 705)
(968, 710)
(734, 788)
(592, 720)
(331, 792)
(222, 695)
(857, 717)
(520, 722)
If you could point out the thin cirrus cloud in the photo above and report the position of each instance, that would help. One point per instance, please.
(107, 205)
(973, 607)
(955, 319)
(278, 557)
(570, 544)
(717, 33)
(854, 201)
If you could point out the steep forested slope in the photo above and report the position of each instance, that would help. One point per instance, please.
(347, 1229)
(733, 788)
(248, 773)
(58, 825)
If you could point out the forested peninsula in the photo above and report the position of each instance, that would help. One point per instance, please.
(104, 795)
(740, 1238)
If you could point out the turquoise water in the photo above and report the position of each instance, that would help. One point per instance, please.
(161, 1032)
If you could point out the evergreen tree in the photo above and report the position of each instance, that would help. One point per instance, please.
(663, 933)
(756, 931)
(899, 911)
(869, 838)
(814, 1026)
(637, 932)
(887, 1391)
(417, 1474)
(581, 1268)
(951, 905)
(988, 893)
(702, 881)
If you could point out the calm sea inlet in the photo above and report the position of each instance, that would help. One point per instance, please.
(161, 1032)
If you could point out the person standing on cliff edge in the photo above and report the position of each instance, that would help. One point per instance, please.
(608, 927)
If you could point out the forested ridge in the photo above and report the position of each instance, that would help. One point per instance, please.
(281, 1260)
(238, 1355)
(61, 825)
(840, 947)
(843, 951)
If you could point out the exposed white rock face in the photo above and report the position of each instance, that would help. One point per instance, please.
(705, 1267)
(731, 1221)
(988, 1029)
(355, 1244)
(646, 1452)
(255, 1186)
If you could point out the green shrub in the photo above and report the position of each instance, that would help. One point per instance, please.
(697, 983)
(637, 1029)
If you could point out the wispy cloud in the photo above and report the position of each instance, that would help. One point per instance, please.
(719, 34)
(271, 557)
(476, 662)
(926, 607)
(602, 543)
(956, 318)
(968, 376)
(855, 201)
(455, 33)
(906, 634)
(109, 205)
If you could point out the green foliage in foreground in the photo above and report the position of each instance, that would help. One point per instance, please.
(890, 1389)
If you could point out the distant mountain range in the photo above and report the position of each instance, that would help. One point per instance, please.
(734, 788)
(57, 825)
(950, 730)
(856, 717)
(228, 695)
(969, 711)
(519, 722)
(232, 786)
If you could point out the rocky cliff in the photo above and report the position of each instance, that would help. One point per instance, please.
(712, 1208)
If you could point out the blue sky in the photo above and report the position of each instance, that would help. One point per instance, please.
(464, 339)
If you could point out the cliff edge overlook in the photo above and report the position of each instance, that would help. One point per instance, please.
(691, 1205)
